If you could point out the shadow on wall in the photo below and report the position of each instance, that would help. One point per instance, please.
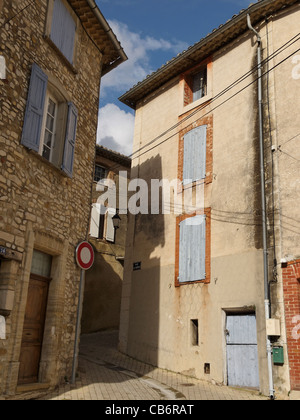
(146, 232)
(102, 294)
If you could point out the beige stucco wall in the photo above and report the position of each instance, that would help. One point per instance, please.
(155, 315)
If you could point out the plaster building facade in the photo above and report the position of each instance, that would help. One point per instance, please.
(199, 276)
(103, 282)
(55, 53)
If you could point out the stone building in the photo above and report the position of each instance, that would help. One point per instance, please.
(103, 282)
(200, 274)
(55, 53)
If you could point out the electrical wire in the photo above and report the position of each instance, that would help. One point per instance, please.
(285, 46)
(17, 14)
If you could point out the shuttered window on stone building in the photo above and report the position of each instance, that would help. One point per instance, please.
(63, 30)
(192, 249)
(37, 119)
(194, 160)
(101, 226)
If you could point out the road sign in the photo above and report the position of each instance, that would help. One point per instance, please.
(85, 255)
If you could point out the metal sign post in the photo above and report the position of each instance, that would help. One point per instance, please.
(85, 259)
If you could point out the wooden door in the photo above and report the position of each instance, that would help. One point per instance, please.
(242, 355)
(33, 329)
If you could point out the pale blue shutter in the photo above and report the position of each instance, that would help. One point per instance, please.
(34, 109)
(194, 160)
(192, 245)
(63, 30)
(69, 150)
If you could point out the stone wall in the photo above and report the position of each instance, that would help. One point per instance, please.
(41, 208)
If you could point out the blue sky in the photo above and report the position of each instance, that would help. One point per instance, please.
(151, 32)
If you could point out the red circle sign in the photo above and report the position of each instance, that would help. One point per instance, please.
(85, 255)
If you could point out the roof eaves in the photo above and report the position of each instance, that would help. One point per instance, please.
(99, 30)
(233, 28)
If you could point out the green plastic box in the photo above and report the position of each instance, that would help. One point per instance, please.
(278, 356)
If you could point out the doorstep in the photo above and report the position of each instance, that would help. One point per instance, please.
(32, 387)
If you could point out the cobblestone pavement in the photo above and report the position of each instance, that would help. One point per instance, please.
(106, 374)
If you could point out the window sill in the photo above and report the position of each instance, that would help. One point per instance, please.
(60, 54)
(47, 162)
(195, 104)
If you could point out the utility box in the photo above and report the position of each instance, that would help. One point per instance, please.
(278, 356)
(273, 327)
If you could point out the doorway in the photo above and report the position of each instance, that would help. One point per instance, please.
(34, 320)
(242, 352)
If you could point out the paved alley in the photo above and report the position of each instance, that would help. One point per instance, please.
(106, 374)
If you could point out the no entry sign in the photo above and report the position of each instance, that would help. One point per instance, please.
(85, 255)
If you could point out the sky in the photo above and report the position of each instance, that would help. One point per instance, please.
(151, 33)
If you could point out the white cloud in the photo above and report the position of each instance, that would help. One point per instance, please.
(115, 126)
(115, 129)
(137, 49)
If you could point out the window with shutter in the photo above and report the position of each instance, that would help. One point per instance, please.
(110, 230)
(194, 159)
(63, 30)
(97, 221)
(193, 249)
(50, 122)
(192, 245)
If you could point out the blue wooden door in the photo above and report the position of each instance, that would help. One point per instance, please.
(242, 355)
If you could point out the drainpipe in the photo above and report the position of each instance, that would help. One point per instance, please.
(263, 200)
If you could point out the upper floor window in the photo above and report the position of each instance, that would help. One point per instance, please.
(200, 84)
(62, 30)
(195, 86)
(50, 122)
(100, 173)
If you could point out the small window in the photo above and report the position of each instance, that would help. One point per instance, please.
(194, 332)
(100, 173)
(196, 85)
(41, 263)
(200, 84)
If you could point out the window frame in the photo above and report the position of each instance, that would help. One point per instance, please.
(181, 218)
(186, 86)
(97, 165)
(49, 97)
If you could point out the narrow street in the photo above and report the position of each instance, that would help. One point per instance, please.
(106, 374)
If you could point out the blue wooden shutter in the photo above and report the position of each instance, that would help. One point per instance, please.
(63, 30)
(34, 109)
(194, 161)
(69, 150)
(192, 246)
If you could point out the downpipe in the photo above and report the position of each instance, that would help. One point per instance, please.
(263, 200)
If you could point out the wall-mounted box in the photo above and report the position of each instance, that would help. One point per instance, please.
(273, 327)
(278, 356)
